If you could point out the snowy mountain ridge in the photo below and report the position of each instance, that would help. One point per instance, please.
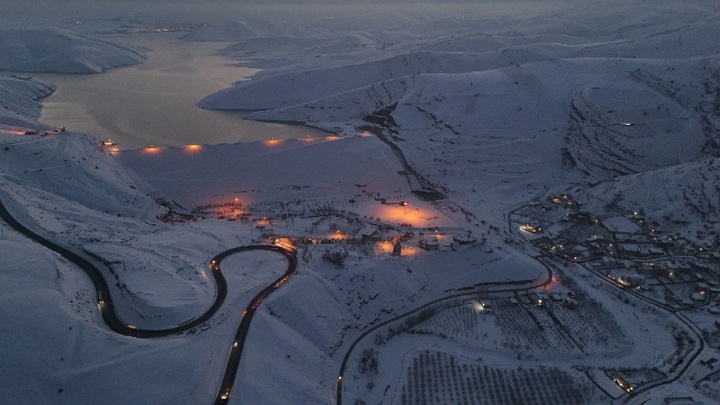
(61, 51)
(19, 97)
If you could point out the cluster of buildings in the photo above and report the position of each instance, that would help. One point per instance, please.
(629, 250)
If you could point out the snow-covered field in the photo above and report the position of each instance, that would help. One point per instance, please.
(446, 121)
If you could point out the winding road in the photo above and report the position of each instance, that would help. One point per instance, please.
(480, 288)
(113, 321)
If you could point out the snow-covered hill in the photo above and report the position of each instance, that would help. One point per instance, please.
(684, 200)
(508, 107)
(19, 97)
(49, 50)
(61, 51)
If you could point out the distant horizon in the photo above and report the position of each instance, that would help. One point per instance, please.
(44, 13)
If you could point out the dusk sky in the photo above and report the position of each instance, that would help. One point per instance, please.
(44, 10)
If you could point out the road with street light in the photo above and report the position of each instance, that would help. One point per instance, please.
(115, 323)
(239, 342)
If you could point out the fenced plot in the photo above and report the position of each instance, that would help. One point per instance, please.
(591, 326)
(441, 378)
(529, 331)
(460, 322)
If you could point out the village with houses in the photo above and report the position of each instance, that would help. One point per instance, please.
(627, 249)
(596, 267)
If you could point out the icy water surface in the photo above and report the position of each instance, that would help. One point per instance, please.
(154, 103)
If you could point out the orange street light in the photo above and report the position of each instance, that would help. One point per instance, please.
(152, 149)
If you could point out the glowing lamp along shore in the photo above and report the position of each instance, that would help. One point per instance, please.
(152, 149)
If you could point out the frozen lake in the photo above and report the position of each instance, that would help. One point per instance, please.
(154, 103)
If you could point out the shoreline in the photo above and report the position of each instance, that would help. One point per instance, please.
(155, 102)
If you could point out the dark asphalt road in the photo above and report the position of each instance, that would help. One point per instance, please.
(109, 315)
